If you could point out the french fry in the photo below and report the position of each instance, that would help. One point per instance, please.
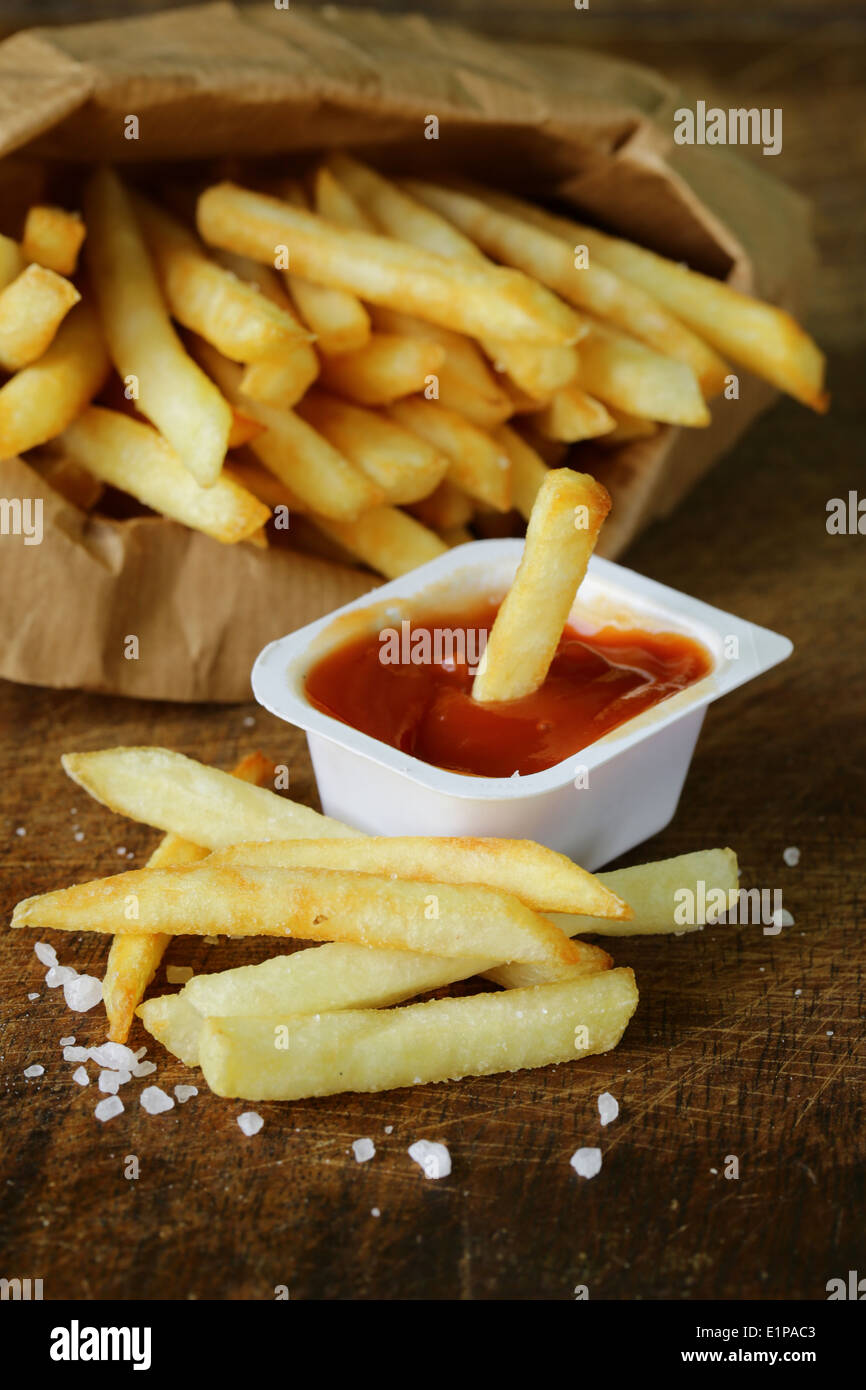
(563, 529)
(572, 415)
(475, 463)
(133, 960)
(282, 378)
(40, 401)
(399, 463)
(762, 337)
(627, 427)
(591, 287)
(250, 474)
(445, 508)
(538, 369)
(199, 803)
(386, 539)
(333, 201)
(624, 373)
(296, 453)
(706, 878)
(443, 1040)
(466, 382)
(337, 975)
(386, 367)
(209, 899)
(228, 312)
(173, 392)
(133, 457)
(244, 428)
(653, 891)
(541, 878)
(472, 299)
(528, 469)
(32, 308)
(53, 238)
(11, 260)
(336, 316)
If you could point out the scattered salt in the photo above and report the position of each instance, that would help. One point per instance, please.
(389, 1129)
(249, 721)
(59, 975)
(178, 974)
(374, 1211)
(79, 836)
(80, 1075)
(108, 1108)
(121, 849)
(82, 993)
(250, 1123)
(791, 856)
(114, 1055)
(45, 953)
(111, 1081)
(35, 1070)
(34, 994)
(782, 918)
(19, 830)
(144, 1069)
(608, 1107)
(67, 1042)
(586, 1162)
(797, 992)
(829, 1035)
(432, 1157)
(363, 1149)
(155, 1101)
(76, 1054)
(185, 1093)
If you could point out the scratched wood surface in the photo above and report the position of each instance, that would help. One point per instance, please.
(743, 1044)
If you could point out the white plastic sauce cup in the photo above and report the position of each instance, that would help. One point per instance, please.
(593, 806)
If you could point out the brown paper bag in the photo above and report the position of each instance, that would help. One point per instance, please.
(212, 82)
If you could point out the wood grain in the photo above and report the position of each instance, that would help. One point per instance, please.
(743, 1044)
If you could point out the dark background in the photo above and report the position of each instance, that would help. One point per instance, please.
(742, 1045)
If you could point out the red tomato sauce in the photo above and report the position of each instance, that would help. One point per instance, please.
(596, 682)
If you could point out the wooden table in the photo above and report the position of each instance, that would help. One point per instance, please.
(744, 1045)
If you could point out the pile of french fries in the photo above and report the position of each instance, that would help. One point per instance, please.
(400, 917)
(390, 361)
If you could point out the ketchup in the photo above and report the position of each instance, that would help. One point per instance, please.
(597, 680)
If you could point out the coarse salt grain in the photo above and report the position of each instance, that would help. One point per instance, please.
(791, 856)
(114, 1055)
(76, 1054)
(363, 1149)
(608, 1107)
(155, 1101)
(121, 849)
(82, 993)
(586, 1162)
(782, 918)
(389, 1129)
(108, 1108)
(35, 1070)
(178, 974)
(45, 953)
(185, 1093)
(144, 1069)
(80, 1075)
(34, 994)
(59, 975)
(374, 1211)
(79, 836)
(250, 1123)
(432, 1157)
(19, 830)
(67, 1041)
(111, 1081)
